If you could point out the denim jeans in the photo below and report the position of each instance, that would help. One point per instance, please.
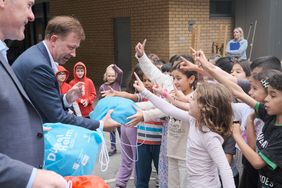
(146, 154)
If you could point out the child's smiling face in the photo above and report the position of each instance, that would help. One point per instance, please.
(147, 83)
(111, 76)
(182, 82)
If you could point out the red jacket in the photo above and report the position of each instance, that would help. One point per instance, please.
(90, 91)
(64, 87)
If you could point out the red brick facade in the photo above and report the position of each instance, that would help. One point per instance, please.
(163, 22)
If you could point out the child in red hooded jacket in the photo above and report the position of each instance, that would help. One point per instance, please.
(62, 76)
(85, 102)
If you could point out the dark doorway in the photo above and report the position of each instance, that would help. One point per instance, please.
(122, 46)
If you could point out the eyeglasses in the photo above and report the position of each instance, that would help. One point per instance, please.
(61, 73)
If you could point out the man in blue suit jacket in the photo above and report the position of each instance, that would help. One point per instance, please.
(21, 134)
(37, 66)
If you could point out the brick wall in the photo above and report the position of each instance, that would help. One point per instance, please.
(180, 39)
(163, 22)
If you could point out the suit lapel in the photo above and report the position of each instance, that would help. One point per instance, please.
(44, 51)
(15, 79)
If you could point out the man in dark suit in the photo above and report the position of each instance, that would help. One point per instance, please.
(21, 134)
(37, 66)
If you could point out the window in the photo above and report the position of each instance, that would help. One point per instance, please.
(221, 8)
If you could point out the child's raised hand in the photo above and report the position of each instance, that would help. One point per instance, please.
(138, 84)
(236, 130)
(201, 59)
(140, 48)
(187, 65)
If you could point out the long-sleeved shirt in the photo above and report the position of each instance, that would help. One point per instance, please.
(154, 74)
(205, 155)
(90, 91)
(177, 130)
(237, 48)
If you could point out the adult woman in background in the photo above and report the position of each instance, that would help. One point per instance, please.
(236, 48)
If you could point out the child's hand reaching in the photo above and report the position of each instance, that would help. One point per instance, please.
(236, 130)
(136, 118)
(158, 90)
(109, 93)
(139, 48)
(188, 66)
(138, 84)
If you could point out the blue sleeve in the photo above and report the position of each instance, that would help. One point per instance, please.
(14, 173)
(243, 44)
(32, 178)
(42, 88)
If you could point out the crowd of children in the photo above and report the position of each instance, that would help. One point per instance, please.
(202, 123)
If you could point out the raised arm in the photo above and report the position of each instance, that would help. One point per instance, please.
(188, 66)
(247, 151)
(119, 74)
(161, 104)
(178, 99)
(217, 74)
(150, 70)
(251, 133)
(166, 107)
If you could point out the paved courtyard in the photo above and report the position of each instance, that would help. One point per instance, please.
(109, 175)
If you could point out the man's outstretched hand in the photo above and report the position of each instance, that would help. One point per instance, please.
(109, 123)
(75, 92)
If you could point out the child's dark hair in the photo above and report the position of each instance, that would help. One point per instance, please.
(153, 57)
(264, 77)
(176, 66)
(173, 58)
(245, 64)
(276, 81)
(166, 68)
(159, 63)
(225, 63)
(139, 72)
(266, 62)
(214, 102)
